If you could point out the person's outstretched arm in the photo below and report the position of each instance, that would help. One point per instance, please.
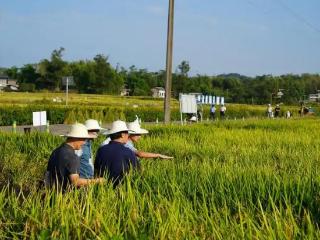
(81, 182)
(142, 154)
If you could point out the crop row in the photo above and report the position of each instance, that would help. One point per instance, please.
(58, 114)
(252, 179)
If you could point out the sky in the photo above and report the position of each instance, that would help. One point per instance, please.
(249, 37)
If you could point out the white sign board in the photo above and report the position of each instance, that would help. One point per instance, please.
(68, 80)
(217, 100)
(213, 100)
(188, 103)
(39, 118)
(222, 100)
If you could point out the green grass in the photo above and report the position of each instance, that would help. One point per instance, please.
(254, 179)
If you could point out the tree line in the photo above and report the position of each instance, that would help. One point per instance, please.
(100, 77)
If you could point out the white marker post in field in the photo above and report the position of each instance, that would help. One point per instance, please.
(188, 104)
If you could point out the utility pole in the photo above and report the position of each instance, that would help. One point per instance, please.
(167, 111)
(67, 90)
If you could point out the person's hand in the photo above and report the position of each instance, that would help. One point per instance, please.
(165, 157)
(100, 180)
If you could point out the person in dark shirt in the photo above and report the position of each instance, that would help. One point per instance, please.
(213, 112)
(64, 165)
(277, 111)
(114, 160)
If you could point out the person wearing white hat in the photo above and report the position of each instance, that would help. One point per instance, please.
(277, 111)
(223, 110)
(134, 137)
(85, 154)
(114, 159)
(64, 165)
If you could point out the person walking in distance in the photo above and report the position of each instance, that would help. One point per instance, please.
(213, 112)
(223, 110)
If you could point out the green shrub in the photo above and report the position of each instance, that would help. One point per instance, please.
(27, 87)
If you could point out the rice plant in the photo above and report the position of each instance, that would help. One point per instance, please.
(253, 179)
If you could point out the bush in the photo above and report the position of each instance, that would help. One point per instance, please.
(27, 87)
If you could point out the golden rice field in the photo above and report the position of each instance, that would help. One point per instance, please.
(252, 179)
(79, 99)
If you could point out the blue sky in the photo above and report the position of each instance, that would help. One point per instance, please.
(251, 37)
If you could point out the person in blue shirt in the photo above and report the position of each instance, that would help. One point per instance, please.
(213, 112)
(135, 136)
(85, 154)
(114, 160)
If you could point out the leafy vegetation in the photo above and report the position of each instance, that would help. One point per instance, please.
(105, 108)
(229, 179)
(99, 76)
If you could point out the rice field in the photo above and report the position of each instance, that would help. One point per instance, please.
(75, 99)
(252, 179)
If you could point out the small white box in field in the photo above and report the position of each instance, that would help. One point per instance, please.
(39, 118)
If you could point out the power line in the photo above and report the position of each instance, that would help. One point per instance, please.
(255, 5)
(297, 16)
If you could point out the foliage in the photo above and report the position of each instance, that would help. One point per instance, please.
(19, 107)
(231, 179)
(27, 87)
(99, 76)
(51, 71)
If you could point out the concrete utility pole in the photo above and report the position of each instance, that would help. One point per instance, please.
(167, 111)
(67, 90)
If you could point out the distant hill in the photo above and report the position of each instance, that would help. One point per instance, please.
(233, 75)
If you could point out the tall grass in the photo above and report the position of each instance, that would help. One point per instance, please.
(232, 179)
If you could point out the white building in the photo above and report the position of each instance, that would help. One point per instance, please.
(158, 92)
(7, 83)
(314, 97)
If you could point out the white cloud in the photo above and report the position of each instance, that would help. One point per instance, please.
(156, 10)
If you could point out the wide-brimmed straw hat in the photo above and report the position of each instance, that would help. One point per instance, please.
(193, 119)
(79, 130)
(117, 126)
(93, 124)
(136, 129)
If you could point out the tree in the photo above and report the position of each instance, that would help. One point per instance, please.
(52, 71)
(12, 72)
(179, 79)
(184, 68)
(84, 76)
(28, 74)
(107, 80)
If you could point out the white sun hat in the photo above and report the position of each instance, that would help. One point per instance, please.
(117, 126)
(136, 129)
(78, 130)
(193, 119)
(93, 124)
